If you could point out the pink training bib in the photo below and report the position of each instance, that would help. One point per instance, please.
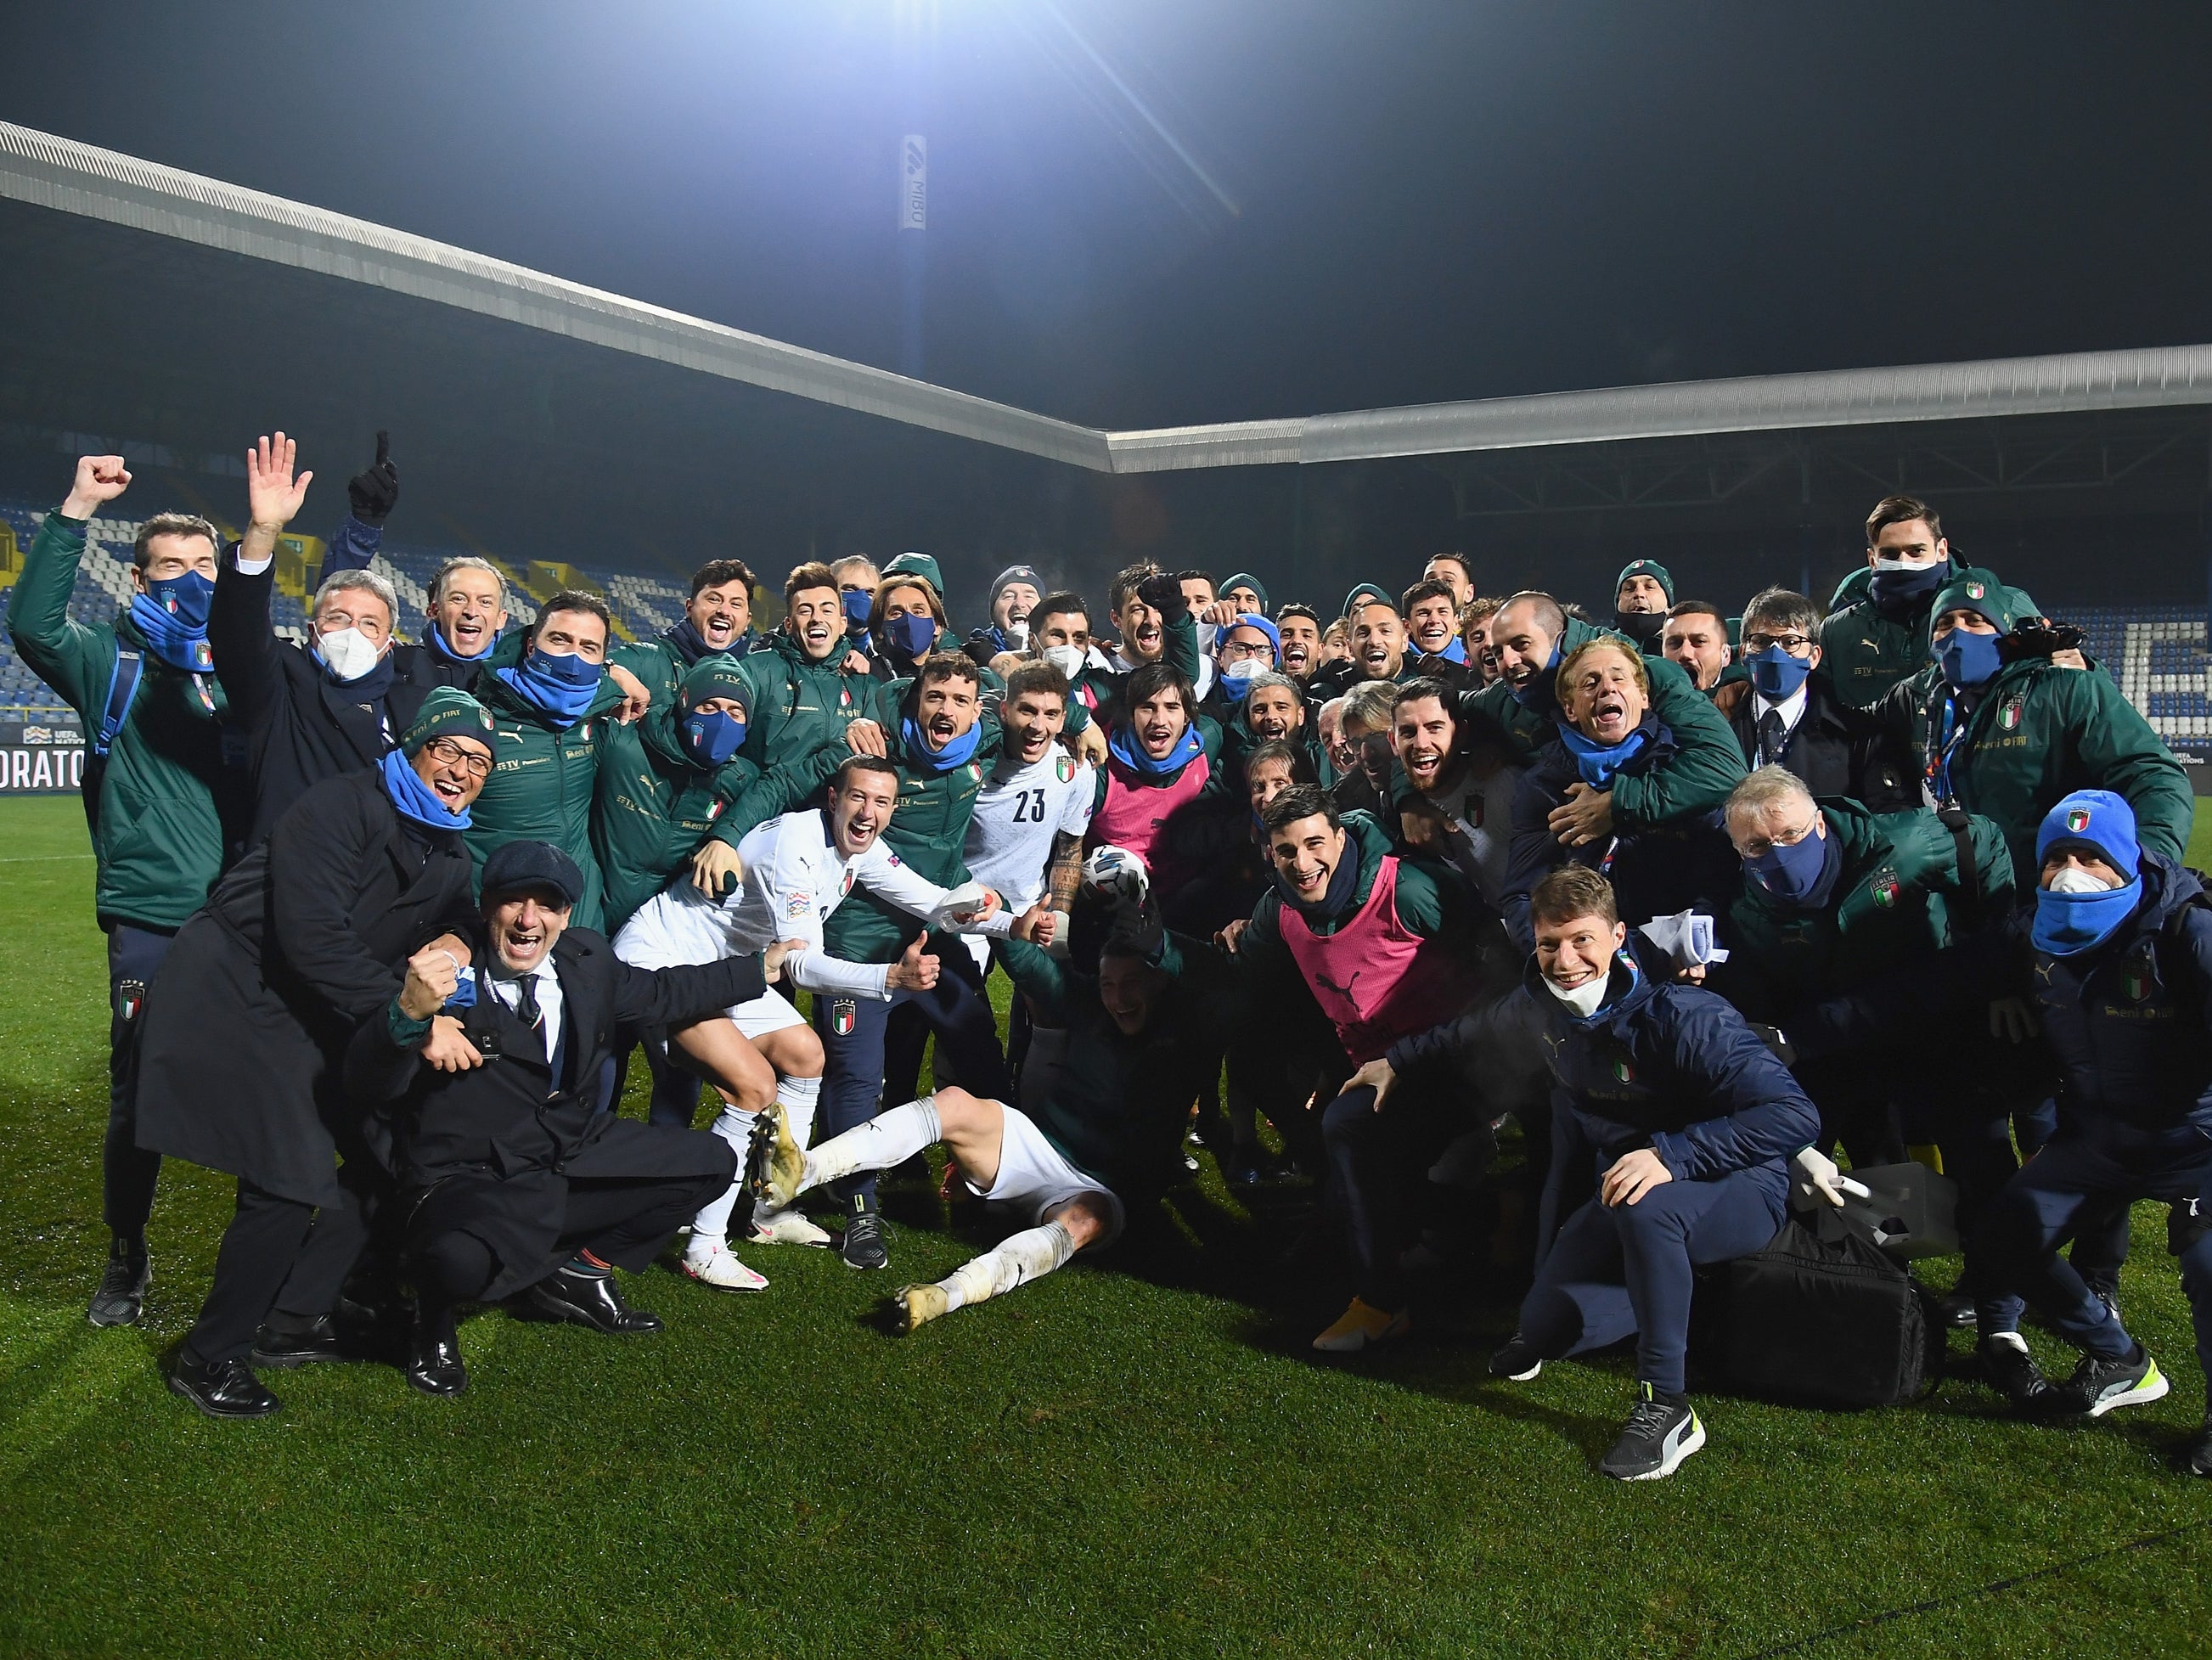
(1133, 813)
(1375, 980)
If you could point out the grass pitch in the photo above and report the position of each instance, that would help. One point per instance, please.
(1139, 1456)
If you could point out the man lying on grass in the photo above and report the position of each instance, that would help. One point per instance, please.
(1143, 1039)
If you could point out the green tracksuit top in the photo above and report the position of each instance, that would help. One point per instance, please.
(653, 807)
(160, 842)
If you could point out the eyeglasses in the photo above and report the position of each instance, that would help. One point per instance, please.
(1236, 650)
(445, 750)
(1795, 644)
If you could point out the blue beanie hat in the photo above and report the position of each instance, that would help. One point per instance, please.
(2095, 821)
(1247, 620)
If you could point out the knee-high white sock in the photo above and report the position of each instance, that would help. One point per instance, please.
(888, 1138)
(735, 1126)
(1026, 1255)
(797, 1098)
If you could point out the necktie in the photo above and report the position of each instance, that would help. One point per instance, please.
(1771, 738)
(525, 1001)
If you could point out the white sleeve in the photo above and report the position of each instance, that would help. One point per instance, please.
(1075, 809)
(816, 970)
(255, 567)
(883, 872)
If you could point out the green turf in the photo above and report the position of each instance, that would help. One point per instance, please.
(1139, 1457)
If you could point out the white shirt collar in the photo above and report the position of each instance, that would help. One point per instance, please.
(1792, 706)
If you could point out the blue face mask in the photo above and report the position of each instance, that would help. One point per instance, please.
(188, 598)
(2068, 923)
(712, 736)
(857, 605)
(914, 634)
(1801, 874)
(561, 685)
(1967, 659)
(1907, 586)
(172, 615)
(1775, 674)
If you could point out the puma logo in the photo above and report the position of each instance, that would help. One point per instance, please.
(1344, 990)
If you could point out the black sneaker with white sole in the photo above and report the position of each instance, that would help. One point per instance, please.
(863, 1245)
(122, 1293)
(1659, 1435)
(2009, 1369)
(2099, 1385)
(2197, 1461)
(1518, 1360)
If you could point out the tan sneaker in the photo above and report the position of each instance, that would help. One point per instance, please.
(914, 1305)
(786, 1227)
(775, 1165)
(1362, 1326)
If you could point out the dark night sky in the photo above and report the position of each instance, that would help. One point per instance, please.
(1422, 202)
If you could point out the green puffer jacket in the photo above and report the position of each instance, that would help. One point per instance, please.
(797, 706)
(166, 793)
(2037, 733)
(1899, 899)
(543, 780)
(653, 808)
(928, 831)
(1865, 652)
(1697, 779)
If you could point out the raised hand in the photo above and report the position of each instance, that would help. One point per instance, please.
(374, 491)
(432, 975)
(913, 971)
(273, 497)
(1036, 925)
(100, 479)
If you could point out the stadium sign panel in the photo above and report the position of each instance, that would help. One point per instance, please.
(41, 757)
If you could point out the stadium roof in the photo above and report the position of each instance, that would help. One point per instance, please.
(50, 172)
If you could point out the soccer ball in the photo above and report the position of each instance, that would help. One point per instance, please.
(1116, 873)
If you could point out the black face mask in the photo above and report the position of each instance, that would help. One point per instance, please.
(1643, 627)
(1899, 593)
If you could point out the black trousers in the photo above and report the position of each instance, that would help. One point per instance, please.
(621, 1220)
(1377, 1165)
(128, 1172)
(283, 1257)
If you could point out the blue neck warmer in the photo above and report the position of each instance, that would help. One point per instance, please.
(1776, 675)
(1537, 691)
(1898, 593)
(1597, 764)
(441, 647)
(1967, 660)
(416, 799)
(559, 687)
(957, 753)
(2067, 924)
(1122, 744)
(1455, 650)
(172, 617)
(1802, 875)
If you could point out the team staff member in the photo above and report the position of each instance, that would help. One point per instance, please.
(717, 619)
(1999, 729)
(1383, 944)
(156, 793)
(1242, 590)
(1014, 598)
(939, 736)
(1691, 1124)
(550, 699)
(1876, 635)
(1455, 573)
(1059, 633)
(308, 712)
(1696, 640)
(510, 1180)
(1642, 595)
(308, 937)
(2122, 950)
(1785, 712)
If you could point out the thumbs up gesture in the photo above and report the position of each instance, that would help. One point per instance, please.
(913, 971)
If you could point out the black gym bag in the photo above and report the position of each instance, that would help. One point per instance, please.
(1818, 1322)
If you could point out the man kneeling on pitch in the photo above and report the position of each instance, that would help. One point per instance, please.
(511, 1180)
(1691, 1122)
(1108, 1133)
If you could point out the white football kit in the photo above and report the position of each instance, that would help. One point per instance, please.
(1018, 812)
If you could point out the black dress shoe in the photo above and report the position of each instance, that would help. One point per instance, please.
(122, 1291)
(587, 1299)
(1957, 1311)
(434, 1357)
(226, 1388)
(321, 1339)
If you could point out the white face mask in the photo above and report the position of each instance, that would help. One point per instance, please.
(1018, 633)
(2075, 879)
(1882, 563)
(1582, 999)
(348, 653)
(1243, 669)
(1068, 660)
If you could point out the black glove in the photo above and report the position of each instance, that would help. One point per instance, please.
(1163, 593)
(2037, 636)
(374, 491)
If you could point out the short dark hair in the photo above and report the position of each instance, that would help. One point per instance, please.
(852, 763)
(947, 665)
(1036, 677)
(1297, 608)
(1547, 610)
(171, 523)
(1699, 608)
(1901, 510)
(574, 599)
(1429, 588)
(1466, 565)
(813, 574)
(1300, 801)
(1127, 580)
(715, 572)
(1786, 607)
(1569, 891)
(1426, 685)
(1150, 681)
(1057, 605)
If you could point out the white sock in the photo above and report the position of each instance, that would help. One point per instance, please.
(888, 1138)
(1027, 1255)
(735, 1126)
(2011, 1338)
(797, 1097)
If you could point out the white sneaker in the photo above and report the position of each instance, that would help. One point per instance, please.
(786, 1227)
(709, 1262)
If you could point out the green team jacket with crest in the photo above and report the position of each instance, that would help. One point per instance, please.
(928, 831)
(1899, 899)
(2037, 733)
(653, 808)
(1864, 653)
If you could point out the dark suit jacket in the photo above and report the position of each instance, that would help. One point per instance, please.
(301, 726)
(1837, 750)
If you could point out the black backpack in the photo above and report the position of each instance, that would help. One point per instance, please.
(1818, 1322)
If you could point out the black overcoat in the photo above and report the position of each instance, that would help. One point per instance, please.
(305, 940)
